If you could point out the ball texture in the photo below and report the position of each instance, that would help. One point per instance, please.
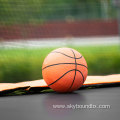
(64, 70)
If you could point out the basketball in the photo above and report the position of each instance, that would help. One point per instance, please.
(64, 70)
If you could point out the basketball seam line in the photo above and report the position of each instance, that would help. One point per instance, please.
(65, 74)
(61, 76)
(66, 55)
(82, 75)
(75, 70)
(64, 63)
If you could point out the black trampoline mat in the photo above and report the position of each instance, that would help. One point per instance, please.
(40, 106)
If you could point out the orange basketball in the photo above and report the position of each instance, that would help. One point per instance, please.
(64, 70)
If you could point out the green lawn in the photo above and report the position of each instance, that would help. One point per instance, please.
(25, 64)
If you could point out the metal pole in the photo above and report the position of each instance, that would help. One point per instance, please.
(118, 15)
(104, 9)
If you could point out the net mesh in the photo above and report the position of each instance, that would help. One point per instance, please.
(59, 18)
(89, 26)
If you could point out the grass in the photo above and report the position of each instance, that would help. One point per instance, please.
(25, 64)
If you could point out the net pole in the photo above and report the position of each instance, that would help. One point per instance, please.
(118, 15)
(116, 4)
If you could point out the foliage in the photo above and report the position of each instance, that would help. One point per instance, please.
(39, 11)
(26, 64)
